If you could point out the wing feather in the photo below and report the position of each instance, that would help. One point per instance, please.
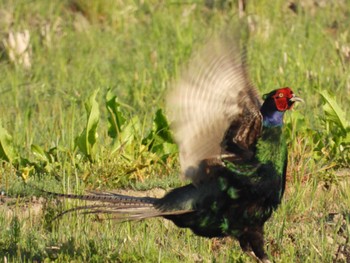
(214, 108)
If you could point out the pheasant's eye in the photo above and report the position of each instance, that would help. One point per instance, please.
(280, 95)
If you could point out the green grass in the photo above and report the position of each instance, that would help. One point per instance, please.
(135, 49)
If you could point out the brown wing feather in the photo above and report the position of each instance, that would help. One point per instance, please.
(214, 108)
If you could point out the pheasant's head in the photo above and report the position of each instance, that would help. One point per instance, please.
(281, 99)
(276, 103)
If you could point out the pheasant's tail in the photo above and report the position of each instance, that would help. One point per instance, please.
(123, 207)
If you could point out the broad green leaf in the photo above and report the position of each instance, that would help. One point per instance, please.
(160, 140)
(346, 139)
(116, 118)
(161, 127)
(165, 149)
(127, 135)
(39, 152)
(333, 112)
(86, 141)
(7, 151)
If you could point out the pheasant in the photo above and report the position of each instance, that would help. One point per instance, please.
(231, 147)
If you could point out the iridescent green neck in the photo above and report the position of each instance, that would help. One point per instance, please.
(272, 149)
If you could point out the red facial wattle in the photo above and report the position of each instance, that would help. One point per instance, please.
(282, 99)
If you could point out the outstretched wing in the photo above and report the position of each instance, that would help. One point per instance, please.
(214, 109)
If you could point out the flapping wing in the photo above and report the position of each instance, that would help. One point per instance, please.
(214, 109)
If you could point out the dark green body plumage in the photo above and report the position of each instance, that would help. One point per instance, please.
(233, 204)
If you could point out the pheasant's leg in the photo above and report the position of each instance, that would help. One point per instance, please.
(256, 241)
(252, 243)
(244, 243)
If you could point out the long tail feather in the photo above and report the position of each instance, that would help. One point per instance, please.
(124, 207)
(106, 197)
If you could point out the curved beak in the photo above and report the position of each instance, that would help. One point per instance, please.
(296, 99)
